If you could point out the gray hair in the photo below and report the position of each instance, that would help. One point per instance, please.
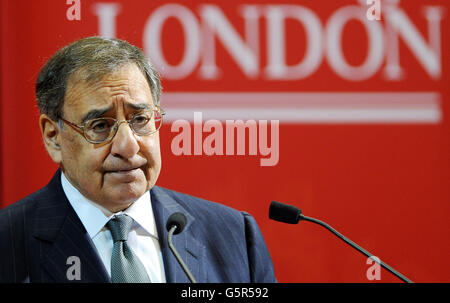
(96, 57)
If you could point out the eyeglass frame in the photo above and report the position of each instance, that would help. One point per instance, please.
(116, 126)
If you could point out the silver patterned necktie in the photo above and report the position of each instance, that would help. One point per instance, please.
(125, 265)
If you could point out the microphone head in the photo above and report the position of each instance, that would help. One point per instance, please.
(284, 213)
(177, 219)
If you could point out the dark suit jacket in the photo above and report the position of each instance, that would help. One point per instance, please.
(40, 232)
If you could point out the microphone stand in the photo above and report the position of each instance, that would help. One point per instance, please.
(177, 255)
(357, 247)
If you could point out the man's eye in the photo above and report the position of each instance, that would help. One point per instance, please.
(100, 126)
(140, 119)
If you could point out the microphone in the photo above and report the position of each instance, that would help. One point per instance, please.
(175, 225)
(292, 215)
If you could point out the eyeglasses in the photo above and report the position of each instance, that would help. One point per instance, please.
(103, 130)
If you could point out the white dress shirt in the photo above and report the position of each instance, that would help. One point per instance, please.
(143, 238)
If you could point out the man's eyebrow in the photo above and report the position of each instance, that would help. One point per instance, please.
(95, 113)
(139, 106)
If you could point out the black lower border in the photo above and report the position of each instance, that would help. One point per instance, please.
(205, 292)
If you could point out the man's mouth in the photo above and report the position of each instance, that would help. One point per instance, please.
(124, 175)
(127, 170)
(124, 168)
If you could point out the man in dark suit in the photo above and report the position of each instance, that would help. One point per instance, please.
(102, 218)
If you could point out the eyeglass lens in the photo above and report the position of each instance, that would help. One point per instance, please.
(102, 129)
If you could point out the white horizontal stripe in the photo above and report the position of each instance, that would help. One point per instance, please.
(377, 107)
(431, 115)
(298, 98)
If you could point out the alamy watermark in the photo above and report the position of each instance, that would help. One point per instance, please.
(74, 10)
(374, 11)
(74, 270)
(235, 134)
(374, 271)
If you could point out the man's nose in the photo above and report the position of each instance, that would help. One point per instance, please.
(124, 143)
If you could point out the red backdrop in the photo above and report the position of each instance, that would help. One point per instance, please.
(362, 146)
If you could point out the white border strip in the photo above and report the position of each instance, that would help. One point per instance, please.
(338, 107)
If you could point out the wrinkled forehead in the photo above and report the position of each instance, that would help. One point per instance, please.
(126, 84)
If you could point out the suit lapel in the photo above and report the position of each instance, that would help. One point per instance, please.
(66, 251)
(62, 235)
(189, 248)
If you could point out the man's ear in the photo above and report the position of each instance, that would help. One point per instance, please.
(51, 137)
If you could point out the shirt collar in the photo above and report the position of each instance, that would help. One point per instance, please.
(94, 216)
(141, 211)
